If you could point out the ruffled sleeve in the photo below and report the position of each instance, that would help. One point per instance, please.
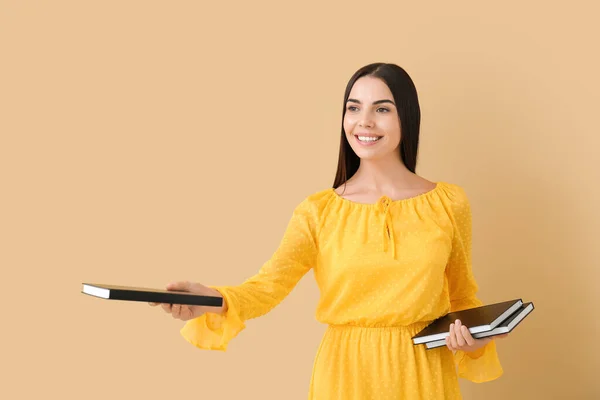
(257, 295)
(482, 365)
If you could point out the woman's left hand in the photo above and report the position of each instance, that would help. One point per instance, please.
(460, 338)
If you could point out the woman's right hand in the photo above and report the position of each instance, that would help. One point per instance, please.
(187, 312)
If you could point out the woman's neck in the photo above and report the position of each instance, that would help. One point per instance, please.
(384, 175)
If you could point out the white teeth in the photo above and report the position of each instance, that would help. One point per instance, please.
(367, 138)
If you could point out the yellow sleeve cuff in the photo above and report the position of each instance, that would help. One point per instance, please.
(212, 331)
(481, 365)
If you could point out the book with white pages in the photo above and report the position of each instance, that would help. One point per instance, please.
(152, 295)
(505, 327)
(478, 319)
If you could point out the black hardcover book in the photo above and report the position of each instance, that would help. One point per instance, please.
(478, 319)
(505, 327)
(129, 293)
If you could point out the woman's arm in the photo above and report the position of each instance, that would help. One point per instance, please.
(479, 363)
(260, 293)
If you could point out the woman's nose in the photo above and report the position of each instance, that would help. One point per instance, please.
(365, 122)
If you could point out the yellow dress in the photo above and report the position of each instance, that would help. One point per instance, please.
(384, 271)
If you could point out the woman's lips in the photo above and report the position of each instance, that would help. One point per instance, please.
(368, 142)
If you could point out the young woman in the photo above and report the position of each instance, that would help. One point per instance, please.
(390, 250)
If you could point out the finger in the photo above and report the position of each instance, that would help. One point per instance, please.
(153, 304)
(166, 307)
(175, 311)
(460, 340)
(183, 286)
(186, 313)
(453, 342)
(448, 343)
(467, 335)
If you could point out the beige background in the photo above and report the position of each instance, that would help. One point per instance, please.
(144, 142)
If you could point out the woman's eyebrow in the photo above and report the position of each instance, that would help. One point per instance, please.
(375, 102)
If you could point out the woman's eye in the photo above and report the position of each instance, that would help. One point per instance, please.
(354, 108)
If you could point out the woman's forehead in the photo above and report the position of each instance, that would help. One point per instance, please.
(370, 89)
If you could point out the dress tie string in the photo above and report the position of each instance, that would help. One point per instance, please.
(383, 206)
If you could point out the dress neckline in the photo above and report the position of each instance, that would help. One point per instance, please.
(386, 199)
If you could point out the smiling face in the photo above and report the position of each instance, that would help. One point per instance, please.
(371, 122)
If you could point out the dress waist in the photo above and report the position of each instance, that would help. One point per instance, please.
(411, 329)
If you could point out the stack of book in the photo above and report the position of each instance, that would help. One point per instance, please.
(484, 321)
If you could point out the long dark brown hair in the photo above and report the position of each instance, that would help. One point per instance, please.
(409, 112)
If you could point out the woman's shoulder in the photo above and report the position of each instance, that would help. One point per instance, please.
(317, 200)
(453, 191)
(456, 198)
(314, 202)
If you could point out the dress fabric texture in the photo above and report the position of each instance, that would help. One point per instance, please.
(384, 271)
